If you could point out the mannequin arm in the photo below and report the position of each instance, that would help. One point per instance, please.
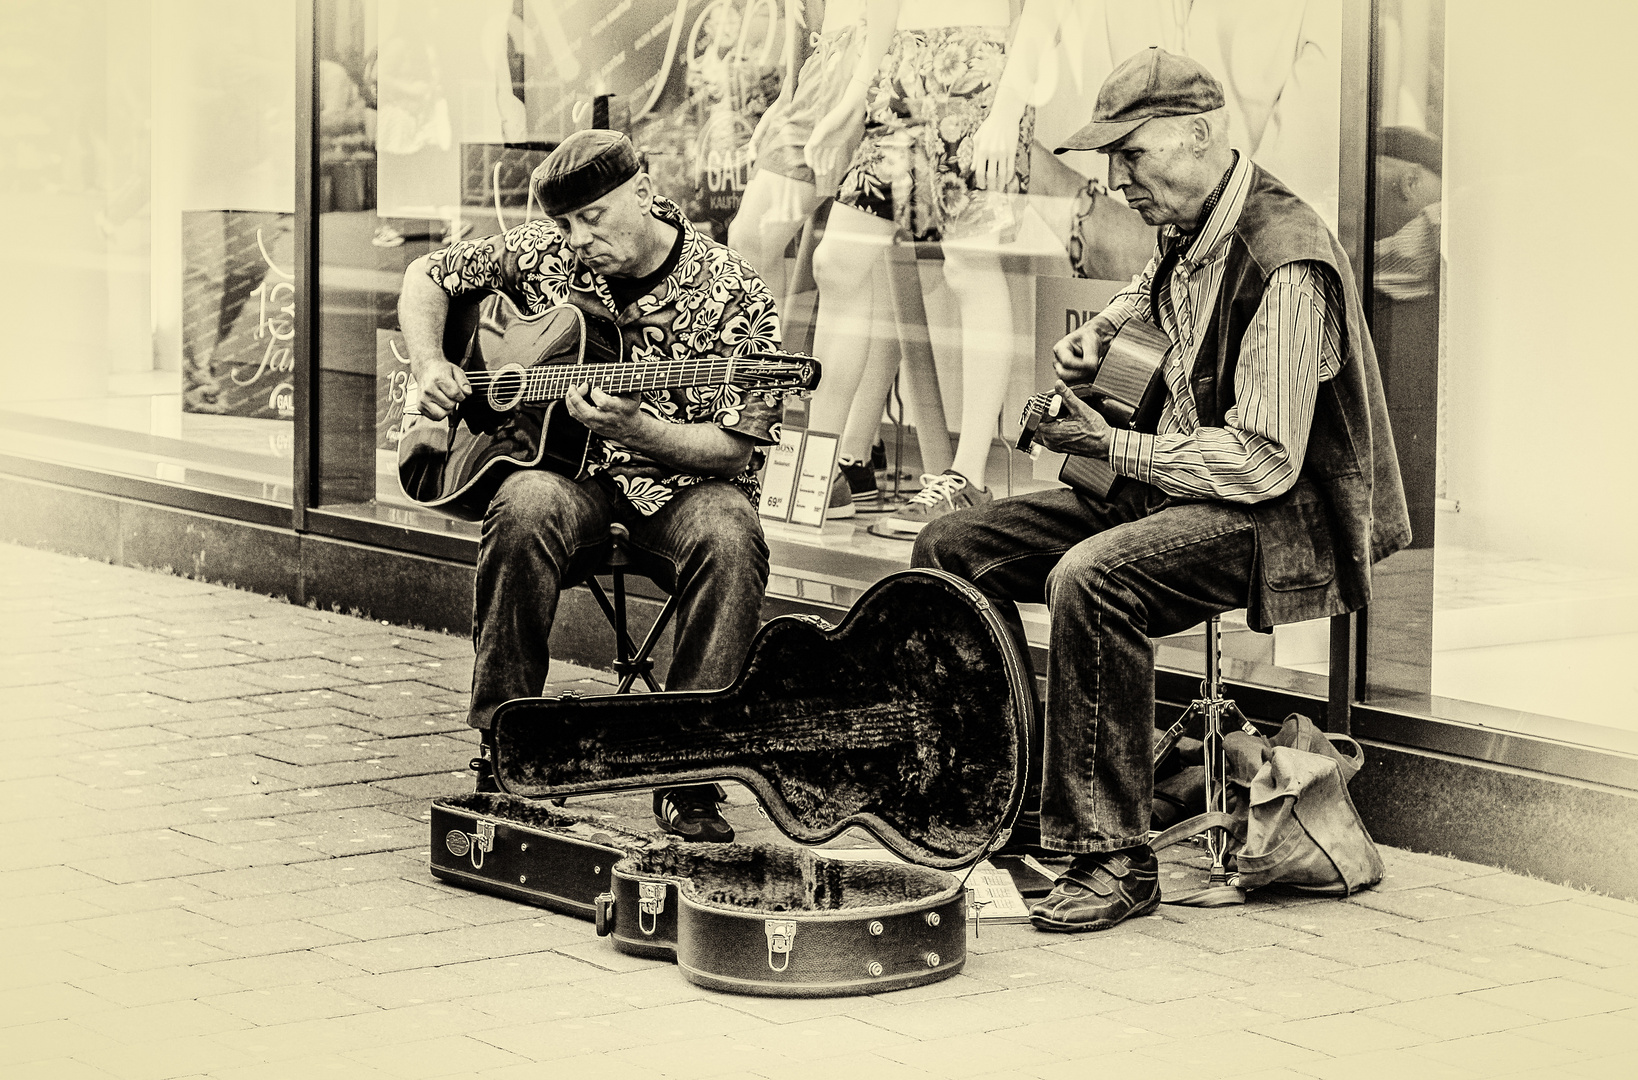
(787, 84)
(995, 144)
(831, 133)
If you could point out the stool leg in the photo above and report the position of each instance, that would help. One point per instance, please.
(633, 663)
(1212, 826)
(484, 763)
(1216, 763)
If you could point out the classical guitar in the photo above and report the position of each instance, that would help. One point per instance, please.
(521, 367)
(1127, 389)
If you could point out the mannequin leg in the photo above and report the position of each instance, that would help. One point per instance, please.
(771, 212)
(848, 267)
(972, 269)
(973, 272)
(864, 419)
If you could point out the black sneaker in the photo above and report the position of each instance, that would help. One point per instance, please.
(1100, 890)
(692, 813)
(861, 482)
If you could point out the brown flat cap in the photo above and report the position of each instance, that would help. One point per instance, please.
(585, 167)
(1152, 83)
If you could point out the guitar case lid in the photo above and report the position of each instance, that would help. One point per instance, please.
(909, 719)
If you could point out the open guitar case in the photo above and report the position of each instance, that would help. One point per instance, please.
(909, 719)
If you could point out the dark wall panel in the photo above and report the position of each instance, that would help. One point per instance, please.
(62, 519)
(1559, 830)
(408, 589)
(210, 549)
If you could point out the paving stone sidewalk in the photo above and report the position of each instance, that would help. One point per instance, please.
(214, 863)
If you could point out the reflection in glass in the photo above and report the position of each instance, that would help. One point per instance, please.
(149, 333)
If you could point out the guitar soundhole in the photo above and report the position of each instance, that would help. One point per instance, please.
(506, 388)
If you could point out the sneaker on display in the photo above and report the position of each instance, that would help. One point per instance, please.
(861, 482)
(841, 498)
(939, 495)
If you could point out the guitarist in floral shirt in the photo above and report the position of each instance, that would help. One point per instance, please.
(676, 467)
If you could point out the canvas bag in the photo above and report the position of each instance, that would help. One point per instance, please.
(1292, 821)
(1301, 827)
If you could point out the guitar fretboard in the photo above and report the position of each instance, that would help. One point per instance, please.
(551, 382)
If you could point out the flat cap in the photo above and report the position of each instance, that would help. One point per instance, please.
(1152, 83)
(585, 167)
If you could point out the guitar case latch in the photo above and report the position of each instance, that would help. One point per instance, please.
(650, 903)
(781, 935)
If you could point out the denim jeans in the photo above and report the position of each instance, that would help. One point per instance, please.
(544, 531)
(1113, 574)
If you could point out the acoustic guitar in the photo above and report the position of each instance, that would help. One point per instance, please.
(1127, 389)
(521, 367)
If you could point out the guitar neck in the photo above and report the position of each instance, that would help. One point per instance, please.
(551, 382)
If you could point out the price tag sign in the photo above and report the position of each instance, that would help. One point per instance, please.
(779, 477)
(813, 477)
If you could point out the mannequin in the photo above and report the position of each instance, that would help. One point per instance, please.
(944, 156)
(784, 190)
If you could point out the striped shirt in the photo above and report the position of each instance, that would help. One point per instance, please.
(1291, 346)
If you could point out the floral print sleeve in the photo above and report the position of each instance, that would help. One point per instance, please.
(468, 265)
(750, 324)
(530, 263)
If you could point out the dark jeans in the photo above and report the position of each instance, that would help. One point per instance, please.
(544, 531)
(1113, 574)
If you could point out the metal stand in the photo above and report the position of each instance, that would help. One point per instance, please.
(893, 500)
(1213, 826)
(630, 661)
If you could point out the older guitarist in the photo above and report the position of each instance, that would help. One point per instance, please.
(676, 467)
(1271, 481)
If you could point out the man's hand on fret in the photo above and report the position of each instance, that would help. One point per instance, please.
(613, 416)
(1076, 356)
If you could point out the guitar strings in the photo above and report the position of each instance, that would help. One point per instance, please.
(557, 379)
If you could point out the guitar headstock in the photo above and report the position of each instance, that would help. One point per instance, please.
(1037, 410)
(777, 371)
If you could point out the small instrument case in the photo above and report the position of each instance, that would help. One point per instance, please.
(909, 720)
(528, 851)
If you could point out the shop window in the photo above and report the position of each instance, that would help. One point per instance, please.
(935, 318)
(151, 281)
(1534, 586)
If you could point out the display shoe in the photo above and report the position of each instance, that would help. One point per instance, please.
(692, 813)
(841, 498)
(1100, 890)
(861, 483)
(942, 494)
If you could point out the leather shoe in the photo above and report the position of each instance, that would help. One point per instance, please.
(1100, 890)
(692, 813)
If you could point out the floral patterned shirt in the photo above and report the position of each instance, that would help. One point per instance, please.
(713, 304)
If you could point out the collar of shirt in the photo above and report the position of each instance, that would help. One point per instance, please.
(1224, 213)
(1187, 297)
